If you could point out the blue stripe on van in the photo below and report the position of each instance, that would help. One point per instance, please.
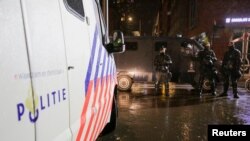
(107, 72)
(113, 69)
(104, 64)
(98, 63)
(90, 66)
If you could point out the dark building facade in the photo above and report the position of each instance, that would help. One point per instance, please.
(133, 17)
(192, 17)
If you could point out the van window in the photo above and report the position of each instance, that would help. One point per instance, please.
(75, 7)
(133, 46)
(159, 44)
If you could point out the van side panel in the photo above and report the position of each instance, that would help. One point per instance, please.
(77, 41)
(15, 82)
(103, 76)
(48, 61)
(90, 81)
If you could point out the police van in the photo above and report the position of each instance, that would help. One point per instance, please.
(58, 75)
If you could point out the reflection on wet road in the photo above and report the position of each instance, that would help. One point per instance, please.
(178, 116)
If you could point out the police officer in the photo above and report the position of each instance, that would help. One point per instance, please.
(207, 59)
(231, 69)
(162, 62)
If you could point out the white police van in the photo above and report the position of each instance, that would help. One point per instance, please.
(58, 75)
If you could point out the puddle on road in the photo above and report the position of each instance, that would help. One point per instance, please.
(141, 89)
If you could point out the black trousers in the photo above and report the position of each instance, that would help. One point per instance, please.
(234, 79)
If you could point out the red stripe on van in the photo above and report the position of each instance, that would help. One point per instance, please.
(85, 107)
(91, 110)
(108, 110)
(102, 110)
(105, 106)
(103, 89)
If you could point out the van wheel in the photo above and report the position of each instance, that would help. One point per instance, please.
(113, 119)
(206, 84)
(124, 82)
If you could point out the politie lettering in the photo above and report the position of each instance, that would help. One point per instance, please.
(45, 101)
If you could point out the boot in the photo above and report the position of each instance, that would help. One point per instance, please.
(213, 89)
(223, 94)
(157, 86)
(236, 95)
(214, 93)
(225, 90)
(235, 92)
(199, 92)
(167, 85)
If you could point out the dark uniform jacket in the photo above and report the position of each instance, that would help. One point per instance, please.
(232, 62)
(162, 62)
(207, 61)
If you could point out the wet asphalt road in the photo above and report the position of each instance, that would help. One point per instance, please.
(179, 116)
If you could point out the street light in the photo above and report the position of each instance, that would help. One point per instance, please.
(131, 22)
(130, 19)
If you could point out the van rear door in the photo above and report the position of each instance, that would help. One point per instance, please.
(15, 83)
(46, 48)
